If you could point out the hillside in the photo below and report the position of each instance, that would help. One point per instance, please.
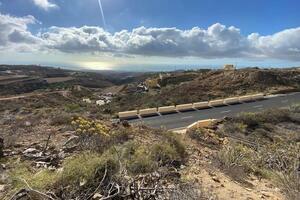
(50, 153)
(53, 145)
(203, 85)
(23, 79)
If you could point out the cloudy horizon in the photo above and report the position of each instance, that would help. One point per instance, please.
(26, 39)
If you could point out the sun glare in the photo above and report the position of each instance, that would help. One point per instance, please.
(97, 65)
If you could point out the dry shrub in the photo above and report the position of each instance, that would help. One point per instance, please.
(61, 119)
(237, 155)
(279, 156)
(206, 137)
(10, 140)
(191, 192)
(164, 154)
(290, 183)
(231, 127)
(254, 120)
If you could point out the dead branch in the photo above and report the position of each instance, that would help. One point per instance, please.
(30, 189)
(114, 195)
(100, 184)
(47, 143)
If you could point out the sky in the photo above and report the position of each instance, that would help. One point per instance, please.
(144, 35)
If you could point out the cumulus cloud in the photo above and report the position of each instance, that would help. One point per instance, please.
(45, 4)
(217, 41)
(14, 32)
(282, 45)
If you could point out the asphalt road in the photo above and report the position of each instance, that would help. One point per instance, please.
(184, 119)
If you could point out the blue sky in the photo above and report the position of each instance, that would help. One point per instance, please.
(157, 32)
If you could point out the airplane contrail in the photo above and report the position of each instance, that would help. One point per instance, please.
(102, 13)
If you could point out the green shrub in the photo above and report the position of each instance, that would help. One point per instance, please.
(196, 134)
(290, 183)
(39, 180)
(144, 159)
(60, 119)
(141, 162)
(249, 119)
(175, 140)
(164, 153)
(73, 107)
(234, 127)
(86, 167)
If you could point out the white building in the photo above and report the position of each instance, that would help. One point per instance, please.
(229, 67)
(86, 100)
(100, 102)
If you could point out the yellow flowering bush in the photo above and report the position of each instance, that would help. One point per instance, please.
(93, 127)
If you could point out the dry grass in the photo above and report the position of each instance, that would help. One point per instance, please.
(268, 152)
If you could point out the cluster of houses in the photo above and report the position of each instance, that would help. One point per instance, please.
(103, 99)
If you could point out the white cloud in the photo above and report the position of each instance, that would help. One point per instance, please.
(217, 41)
(14, 32)
(45, 4)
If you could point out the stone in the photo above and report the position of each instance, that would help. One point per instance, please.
(1, 147)
(30, 151)
(125, 123)
(82, 182)
(27, 123)
(216, 179)
(97, 196)
(41, 164)
(73, 140)
(2, 188)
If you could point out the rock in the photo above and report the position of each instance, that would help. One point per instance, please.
(182, 166)
(71, 144)
(8, 152)
(25, 194)
(71, 141)
(1, 147)
(27, 123)
(216, 179)
(30, 151)
(18, 145)
(41, 164)
(265, 195)
(156, 174)
(2, 167)
(125, 123)
(62, 155)
(68, 134)
(2, 188)
(97, 196)
(82, 182)
(211, 173)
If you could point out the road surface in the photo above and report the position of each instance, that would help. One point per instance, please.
(184, 119)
